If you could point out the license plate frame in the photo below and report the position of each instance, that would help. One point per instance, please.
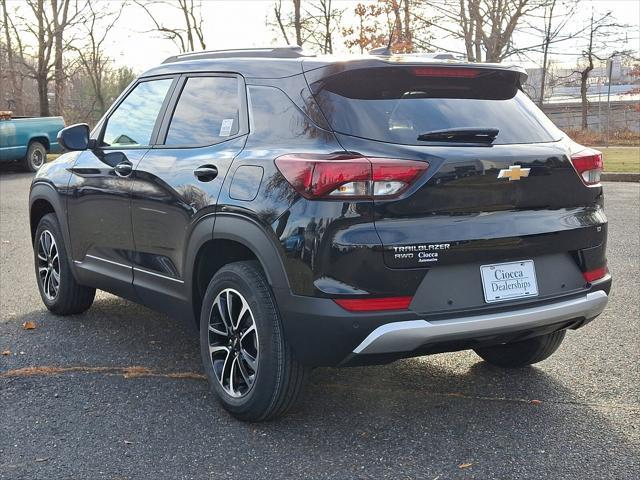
(506, 281)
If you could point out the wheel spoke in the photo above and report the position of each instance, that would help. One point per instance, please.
(53, 288)
(230, 309)
(249, 330)
(43, 247)
(218, 332)
(217, 348)
(223, 317)
(45, 283)
(232, 370)
(249, 359)
(243, 310)
(243, 371)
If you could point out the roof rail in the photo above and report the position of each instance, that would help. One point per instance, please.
(289, 51)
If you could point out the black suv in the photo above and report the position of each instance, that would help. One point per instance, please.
(319, 211)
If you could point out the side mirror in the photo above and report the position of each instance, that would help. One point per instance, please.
(74, 137)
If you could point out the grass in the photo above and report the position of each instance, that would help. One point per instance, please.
(617, 159)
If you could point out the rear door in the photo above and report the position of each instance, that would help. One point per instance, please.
(179, 179)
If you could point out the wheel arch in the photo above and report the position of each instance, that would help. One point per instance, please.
(234, 238)
(43, 139)
(45, 199)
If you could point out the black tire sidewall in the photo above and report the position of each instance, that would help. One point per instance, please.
(27, 161)
(50, 222)
(247, 278)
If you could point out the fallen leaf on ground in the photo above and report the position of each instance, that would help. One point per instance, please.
(465, 465)
(29, 325)
(536, 402)
(6, 352)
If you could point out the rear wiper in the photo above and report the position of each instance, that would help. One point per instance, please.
(463, 134)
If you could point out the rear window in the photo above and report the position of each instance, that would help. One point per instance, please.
(208, 112)
(400, 103)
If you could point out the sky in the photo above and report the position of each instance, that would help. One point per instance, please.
(243, 23)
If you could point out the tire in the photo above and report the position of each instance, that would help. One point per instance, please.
(62, 296)
(249, 363)
(36, 157)
(520, 354)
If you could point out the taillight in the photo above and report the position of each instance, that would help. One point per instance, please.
(588, 163)
(348, 176)
(596, 274)
(374, 304)
(446, 72)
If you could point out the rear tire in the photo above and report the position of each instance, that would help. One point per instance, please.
(520, 354)
(250, 365)
(36, 157)
(59, 290)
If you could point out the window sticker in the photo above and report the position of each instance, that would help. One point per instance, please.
(225, 128)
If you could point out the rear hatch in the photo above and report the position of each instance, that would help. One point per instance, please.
(500, 184)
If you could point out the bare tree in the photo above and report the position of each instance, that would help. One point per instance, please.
(601, 32)
(188, 36)
(485, 27)
(285, 23)
(12, 71)
(52, 19)
(313, 23)
(91, 55)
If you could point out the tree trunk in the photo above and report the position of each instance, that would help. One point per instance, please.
(16, 91)
(58, 27)
(42, 73)
(584, 77)
(297, 22)
(408, 36)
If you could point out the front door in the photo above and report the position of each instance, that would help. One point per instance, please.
(99, 201)
(178, 181)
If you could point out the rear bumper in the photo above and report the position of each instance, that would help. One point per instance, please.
(410, 335)
(323, 334)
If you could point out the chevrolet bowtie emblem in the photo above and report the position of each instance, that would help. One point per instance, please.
(514, 172)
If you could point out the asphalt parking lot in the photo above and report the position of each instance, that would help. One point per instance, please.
(118, 393)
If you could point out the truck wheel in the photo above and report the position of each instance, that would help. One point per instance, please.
(520, 354)
(249, 363)
(36, 157)
(59, 290)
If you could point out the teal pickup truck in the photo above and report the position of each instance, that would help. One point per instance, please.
(28, 139)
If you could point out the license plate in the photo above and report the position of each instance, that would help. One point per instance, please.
(508, 281)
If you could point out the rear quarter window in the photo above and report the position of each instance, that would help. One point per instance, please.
(397, 105)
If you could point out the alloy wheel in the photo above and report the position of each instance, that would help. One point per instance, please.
(48, 265)
(233, 343)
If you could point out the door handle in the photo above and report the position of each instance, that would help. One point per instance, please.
(123, 169)
(206, 173)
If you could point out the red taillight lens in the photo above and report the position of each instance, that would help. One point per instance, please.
(446, 72)
(596, 274)
(345, 176)
(374, 304)
(588, 163)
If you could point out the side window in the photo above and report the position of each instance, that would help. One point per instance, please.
(207, 112)
(131, 124)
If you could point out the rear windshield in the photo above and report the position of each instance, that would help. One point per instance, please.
(397, 104)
